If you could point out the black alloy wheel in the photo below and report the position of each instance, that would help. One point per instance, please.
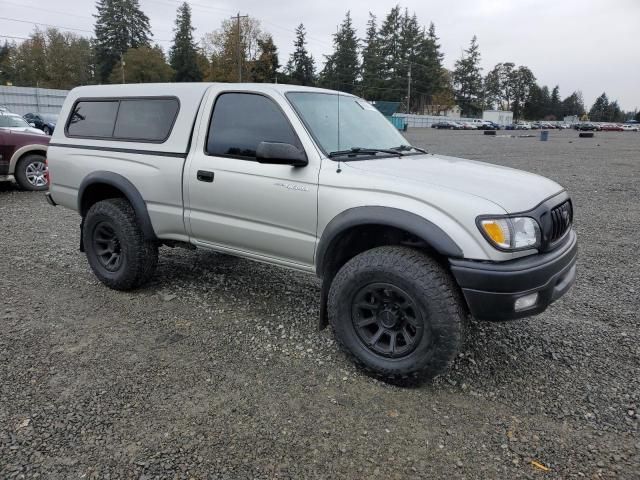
(387, 320)
(107, 246)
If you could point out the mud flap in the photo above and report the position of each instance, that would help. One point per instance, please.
(81, 239)
(323, 320)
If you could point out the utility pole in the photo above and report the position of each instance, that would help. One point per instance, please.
(237, 19)
(122, 66)
(409, 89)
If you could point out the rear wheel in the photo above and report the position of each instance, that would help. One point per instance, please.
(397, 313)
(31, 173)
(115, 246)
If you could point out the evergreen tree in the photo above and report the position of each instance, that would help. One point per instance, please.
(534, 108)
(120, 25)
(600, 109)
(301, 66)
(183, 56)
(545, 103)
(573, 105)
(371, 61)
(614, 113)
(555, 107)
(265, 68)
(467, 80)
(392, 63)
(342, 68)
(430, 79)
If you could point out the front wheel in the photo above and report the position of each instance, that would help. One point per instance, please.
(397, 313)
(116, 249)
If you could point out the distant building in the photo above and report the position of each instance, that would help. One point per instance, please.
(571, 119)
(501, 117)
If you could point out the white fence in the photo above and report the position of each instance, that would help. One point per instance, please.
(425, 121)
(23, 100)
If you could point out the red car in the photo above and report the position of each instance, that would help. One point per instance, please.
(23, 159)
(611, 128)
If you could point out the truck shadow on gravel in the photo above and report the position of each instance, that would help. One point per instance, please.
(242, 287)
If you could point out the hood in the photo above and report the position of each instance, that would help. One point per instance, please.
(32, 130)
(513, 190)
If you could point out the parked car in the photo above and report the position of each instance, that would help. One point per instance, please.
(405, 242)
(447, 125)
(588, 127)
(43, 121)
(565, 126)
(627, 127)
(536, 126)
(16, 123)
(489, 125)
(523, 126)
(611, 127)
(468, 126)
(23, 158)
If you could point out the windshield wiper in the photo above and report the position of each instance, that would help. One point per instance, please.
(405, 148)
(364, 151)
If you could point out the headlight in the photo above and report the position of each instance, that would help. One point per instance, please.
(515, 233)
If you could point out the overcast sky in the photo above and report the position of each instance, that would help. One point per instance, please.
(588, 45)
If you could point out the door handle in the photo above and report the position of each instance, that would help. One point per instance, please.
(205, 176)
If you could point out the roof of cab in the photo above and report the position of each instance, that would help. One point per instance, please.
(186, 90)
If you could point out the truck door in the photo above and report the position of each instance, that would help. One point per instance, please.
(232, 202)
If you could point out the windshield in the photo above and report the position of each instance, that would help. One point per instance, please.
(13, 121)
(357, 124)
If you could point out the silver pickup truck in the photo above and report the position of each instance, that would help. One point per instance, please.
(407, 243)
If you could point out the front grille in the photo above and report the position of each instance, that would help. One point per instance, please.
(561, 219)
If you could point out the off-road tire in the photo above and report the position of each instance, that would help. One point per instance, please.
(433, 291)
(20, 173)
(139, 256)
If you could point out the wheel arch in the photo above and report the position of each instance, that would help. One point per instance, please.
(101, 185)
(382, 217)
(361, 228)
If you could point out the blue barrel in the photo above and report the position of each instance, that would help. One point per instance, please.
(544, 135)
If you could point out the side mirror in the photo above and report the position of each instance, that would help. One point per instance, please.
(281, 154)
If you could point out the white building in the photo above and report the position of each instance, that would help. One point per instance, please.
(501, 117)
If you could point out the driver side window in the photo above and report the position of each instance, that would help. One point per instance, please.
(240, 121)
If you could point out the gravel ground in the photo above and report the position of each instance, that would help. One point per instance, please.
(216, 369)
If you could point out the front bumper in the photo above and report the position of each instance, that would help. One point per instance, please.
(491, 288)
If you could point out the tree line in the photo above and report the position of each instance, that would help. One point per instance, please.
(399, 59)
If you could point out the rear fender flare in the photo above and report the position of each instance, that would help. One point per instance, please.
(129, 191)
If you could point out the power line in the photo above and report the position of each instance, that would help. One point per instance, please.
(60, 27)
(45, 24)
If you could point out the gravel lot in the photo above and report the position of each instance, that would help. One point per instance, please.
(216, 369)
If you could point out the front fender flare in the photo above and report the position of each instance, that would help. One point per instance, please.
(422, 228)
